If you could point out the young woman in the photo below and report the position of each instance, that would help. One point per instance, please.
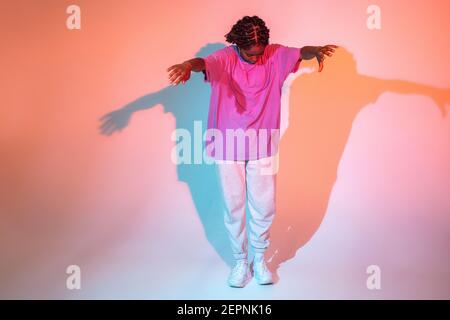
(246, 78)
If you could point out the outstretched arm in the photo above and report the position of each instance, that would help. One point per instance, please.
(310, 52)
(182, 72)
(440, 96)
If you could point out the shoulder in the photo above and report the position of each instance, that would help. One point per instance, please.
(222, 52)
(284, 52)
(273, 49)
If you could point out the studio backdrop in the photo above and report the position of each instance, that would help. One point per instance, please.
(95, 203)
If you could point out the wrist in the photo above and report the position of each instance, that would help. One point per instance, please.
(318, 48)
(187, 64)
(309, 52)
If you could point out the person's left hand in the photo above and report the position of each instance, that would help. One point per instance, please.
(322, 51)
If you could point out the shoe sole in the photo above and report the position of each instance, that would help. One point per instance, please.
(247, 281)
(264, 283)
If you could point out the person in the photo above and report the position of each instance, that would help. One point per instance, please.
(246, 78)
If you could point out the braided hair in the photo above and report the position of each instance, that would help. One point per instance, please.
(247, 32)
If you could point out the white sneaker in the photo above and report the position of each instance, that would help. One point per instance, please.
(240, 274)
(262, 273)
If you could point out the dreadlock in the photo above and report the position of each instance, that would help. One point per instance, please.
(247, 32)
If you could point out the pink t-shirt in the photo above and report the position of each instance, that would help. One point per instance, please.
(244, 111)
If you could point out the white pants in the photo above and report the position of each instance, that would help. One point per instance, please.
(253, 180)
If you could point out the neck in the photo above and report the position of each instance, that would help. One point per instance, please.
(243, 56)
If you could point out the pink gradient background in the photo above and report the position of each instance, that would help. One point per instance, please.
(116, 206)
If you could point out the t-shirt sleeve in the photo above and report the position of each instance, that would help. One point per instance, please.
(214, 65)
(289, 59)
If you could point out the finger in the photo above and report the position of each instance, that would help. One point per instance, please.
(174, 81)
(175, 75)
(173, 72)
(328, 50)
(171, 67)
(178, 79)
(320, 62)
(182, 77)
(105, 126)
(171, 75)
(177, 70)
(332, 46)
(104, 117)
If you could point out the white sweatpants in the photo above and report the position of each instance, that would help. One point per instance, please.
(252, 180)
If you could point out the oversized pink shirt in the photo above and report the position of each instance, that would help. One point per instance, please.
(244, 111)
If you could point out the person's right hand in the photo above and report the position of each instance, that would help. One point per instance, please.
(179, 73)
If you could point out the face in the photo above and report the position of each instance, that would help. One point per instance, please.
(253, 54)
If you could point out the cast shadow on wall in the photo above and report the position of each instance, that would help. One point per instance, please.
(187, 103)
(322, 108)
